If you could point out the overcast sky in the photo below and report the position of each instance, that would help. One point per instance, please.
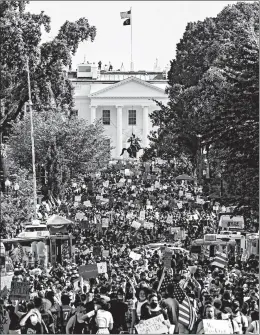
(157, 26)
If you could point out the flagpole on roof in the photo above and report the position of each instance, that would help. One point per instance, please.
(131, 23)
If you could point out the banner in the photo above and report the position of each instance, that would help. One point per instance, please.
(217, 327)
(88, 271)
(152, 326)
(20, 290)
(102, 267)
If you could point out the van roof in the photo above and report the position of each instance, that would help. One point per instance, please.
(36, 226)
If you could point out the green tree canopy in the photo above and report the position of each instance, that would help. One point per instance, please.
(65, 147)
(20, 39)
(214, 91)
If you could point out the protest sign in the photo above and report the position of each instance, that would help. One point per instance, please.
(105, 253)
(136, 224)
(127, 172)
(75, 204)
(192, 269)
(179, 204)
(200, 201)
(20, 290)
(77, 198)
(88, 271)
(152, 326)
(105, 222)
(217, 326)
(87, 203)
(180, 193)
(106, 183)
(6, 281)
(149, 207)
(135, 256)
(142, 215)
(79, 216)
(157, 184)
(4, 292)
(148, 225)
(167, 258)
(102, 267)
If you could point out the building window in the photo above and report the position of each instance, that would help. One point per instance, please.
(106, 117)
(132, 117)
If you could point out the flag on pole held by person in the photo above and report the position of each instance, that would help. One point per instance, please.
(187, 314)
(127, 16)
(220, 260)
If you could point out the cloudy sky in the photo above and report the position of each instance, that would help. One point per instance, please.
(157, 26)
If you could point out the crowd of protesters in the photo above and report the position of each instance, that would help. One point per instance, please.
(130, 291)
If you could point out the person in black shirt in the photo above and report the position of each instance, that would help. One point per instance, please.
(152, 308)
(118, 309)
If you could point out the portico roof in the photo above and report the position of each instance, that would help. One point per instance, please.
(130, 87)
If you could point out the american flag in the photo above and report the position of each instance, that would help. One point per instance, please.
(220, 260)
(187, 314)
(166, 281)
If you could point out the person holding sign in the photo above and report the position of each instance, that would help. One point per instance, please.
(209, 314)
(153, 309)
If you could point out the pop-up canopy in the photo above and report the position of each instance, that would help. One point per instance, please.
(56, 220)
(58, 224)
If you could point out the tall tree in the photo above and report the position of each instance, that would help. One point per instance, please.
(213, 91)
(64, 146)
(20, 41)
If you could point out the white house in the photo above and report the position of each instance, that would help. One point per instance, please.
(123, 100)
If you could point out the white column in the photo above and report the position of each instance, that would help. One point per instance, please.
(145, 125)
(93, 114)
(119, 127)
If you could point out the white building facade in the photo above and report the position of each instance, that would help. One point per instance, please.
(122, 100)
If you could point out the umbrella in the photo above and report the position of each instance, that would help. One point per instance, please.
(184, 177)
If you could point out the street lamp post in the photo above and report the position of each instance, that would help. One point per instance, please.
(7, 185)
(199, 158)
(32, 141)
(16, 188)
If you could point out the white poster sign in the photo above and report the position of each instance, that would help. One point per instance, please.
(217, 327)
(102, 267)
(152, 326)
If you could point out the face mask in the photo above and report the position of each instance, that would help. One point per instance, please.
(235, 309)
(153, 304)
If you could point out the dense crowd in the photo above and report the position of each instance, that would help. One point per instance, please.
(110, 211)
